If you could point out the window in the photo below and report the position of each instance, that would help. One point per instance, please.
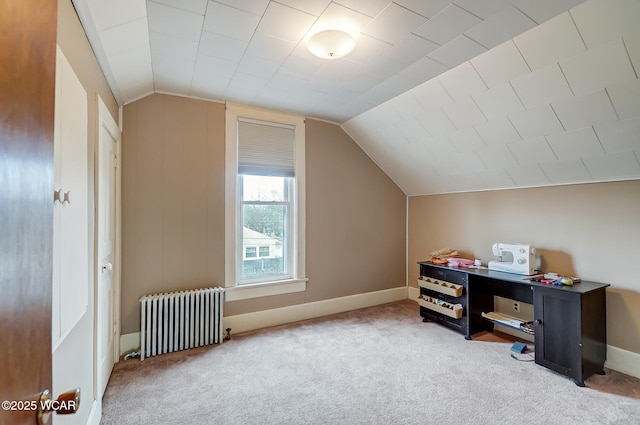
(266, 210)
(250, 252)
(265, 215)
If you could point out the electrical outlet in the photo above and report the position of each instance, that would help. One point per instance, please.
(516, 306)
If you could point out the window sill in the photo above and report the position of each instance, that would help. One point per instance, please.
(257, 290)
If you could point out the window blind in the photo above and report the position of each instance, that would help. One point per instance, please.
(265, 149)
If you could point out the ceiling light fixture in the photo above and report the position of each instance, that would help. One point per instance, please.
(331, 44)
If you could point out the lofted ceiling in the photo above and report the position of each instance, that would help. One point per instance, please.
(444, 95)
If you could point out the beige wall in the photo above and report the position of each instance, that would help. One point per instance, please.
(591, 231)
(172, 199)
(173, 209)
(73, 359)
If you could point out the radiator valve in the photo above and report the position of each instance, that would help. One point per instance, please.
(227, 337)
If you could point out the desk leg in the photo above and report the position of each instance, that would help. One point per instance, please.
(579, 383)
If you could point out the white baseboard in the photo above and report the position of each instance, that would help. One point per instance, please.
(280, 316)
(95, 414)
(129, 342)
(623, 361)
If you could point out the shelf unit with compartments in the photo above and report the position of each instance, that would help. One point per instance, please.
(443, 298)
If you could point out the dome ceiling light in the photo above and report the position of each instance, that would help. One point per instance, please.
(331, 44)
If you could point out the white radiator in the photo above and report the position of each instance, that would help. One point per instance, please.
(177, 321)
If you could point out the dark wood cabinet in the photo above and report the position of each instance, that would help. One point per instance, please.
(569, 322)
(570, 331)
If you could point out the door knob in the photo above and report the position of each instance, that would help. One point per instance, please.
(66, 404)
(107, 267)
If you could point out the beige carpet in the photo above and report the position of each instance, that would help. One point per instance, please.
(380, 365)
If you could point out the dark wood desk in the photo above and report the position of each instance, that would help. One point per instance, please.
(569, 321)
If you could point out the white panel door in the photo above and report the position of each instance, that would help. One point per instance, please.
(107, 292)
(70, 207)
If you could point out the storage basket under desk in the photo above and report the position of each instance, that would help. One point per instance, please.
(448, 288)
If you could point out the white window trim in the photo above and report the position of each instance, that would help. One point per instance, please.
(234, 292)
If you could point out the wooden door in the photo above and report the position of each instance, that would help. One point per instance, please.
(27, 58)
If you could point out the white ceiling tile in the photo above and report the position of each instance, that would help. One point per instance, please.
(411, 128)
(111, 13)
(174, 22)
(425, 8)
(222, 47)
(132, 36)
(598, 67)
(367, 48)
(132, 69)
(424, 69)
(339, 17)
(447, 24)
(620, 136)
(257, 7)
(383, 67)
(462, 81)
(208, 67)
(602, 21)
(410, 49)
(165, 71)
(257, 67)
(566, 171)
(457, 51)
(393, 23)
(408, 108)
(446, 167)
(497, 133)
(575, 144)
(394, 85)
(542, 87)
(362, 83)
(498, 101)
(436, 123)
(230, 22)
(464, 113)
(270, 48)
(469, 162)
(500, 64)
(555, 39)
(431, 95)
(195, 6)
(173, 47)
(301, 68)
(633, 47)
(496, 179)
(466, 140)
(625, 97)
(497, 157)
(613, 166)
(485, 8)
(536, 122)
(284, 22)
(211, 76)
(500, 27)
(315, 7)
(532, 151)
(585, 111)
(527, 175)
(542, 10)
(242, 85)
(369, 7)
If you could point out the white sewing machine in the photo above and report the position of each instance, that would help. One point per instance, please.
(514, 258)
